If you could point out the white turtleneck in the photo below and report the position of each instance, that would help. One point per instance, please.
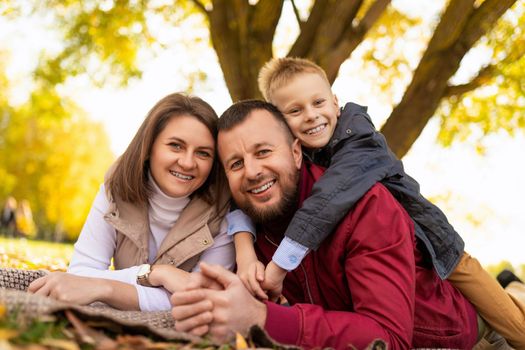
(96, 245)
(163, 212)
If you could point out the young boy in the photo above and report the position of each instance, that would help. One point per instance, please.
(357, 156)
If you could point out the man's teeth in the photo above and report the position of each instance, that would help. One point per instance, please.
(263, 187)
(316, 129)
(181, 176)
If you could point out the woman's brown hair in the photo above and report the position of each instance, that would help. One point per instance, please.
(128, 180)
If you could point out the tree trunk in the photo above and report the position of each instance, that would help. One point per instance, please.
(332, 32)
(242, 36)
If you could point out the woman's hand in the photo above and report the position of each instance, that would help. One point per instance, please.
(170, 277)
(70, 288)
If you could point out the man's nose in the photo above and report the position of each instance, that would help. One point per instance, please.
(252, 168)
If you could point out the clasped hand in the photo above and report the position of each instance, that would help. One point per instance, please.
(216, 302)
(263, 283)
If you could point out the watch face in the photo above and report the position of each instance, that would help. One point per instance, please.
(144, 269)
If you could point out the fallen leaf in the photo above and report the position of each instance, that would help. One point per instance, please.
(135, 341)
(47, 318)
(88, 335)
(6, 334)
(60, 344)
(31, 347)
(240, 342)
(2, 311)
(161, 346)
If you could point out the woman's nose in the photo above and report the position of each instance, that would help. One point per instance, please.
(187, 161)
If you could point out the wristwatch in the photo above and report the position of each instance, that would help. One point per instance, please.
(143, 275)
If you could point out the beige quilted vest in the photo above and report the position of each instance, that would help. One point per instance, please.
(192, 233)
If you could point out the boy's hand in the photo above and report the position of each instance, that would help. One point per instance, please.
(251, 274)
(273, 280)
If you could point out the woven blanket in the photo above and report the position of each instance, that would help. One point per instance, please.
(13, 295)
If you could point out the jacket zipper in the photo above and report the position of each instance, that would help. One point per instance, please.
(302, 268)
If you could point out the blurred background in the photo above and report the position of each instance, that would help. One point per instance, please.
(443, 80)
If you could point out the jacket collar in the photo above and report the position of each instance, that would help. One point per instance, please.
(344, 122)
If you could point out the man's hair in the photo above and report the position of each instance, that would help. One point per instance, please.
(278, 72)
(240, 111)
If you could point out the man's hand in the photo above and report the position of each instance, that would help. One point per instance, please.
(220, 313)
(69, 288)
(273, 280)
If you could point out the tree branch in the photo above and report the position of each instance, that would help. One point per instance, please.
(265, 16)
(303, 43)
(483, 76)
(353, 36)
(200, 6)
(372, 15)
(337, 20)
(451, 26)
(439, 63)
(483, 18)
(296, 13)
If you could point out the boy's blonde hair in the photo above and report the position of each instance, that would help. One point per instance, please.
(278, 72)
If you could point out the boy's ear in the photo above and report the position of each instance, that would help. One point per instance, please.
(336, 102)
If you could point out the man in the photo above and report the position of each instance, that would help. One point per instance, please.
(367, 280)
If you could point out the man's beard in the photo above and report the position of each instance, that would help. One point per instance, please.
(281, 209)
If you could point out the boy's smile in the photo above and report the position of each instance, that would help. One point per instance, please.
(310, 108)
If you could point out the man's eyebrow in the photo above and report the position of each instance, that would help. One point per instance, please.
(262, 144)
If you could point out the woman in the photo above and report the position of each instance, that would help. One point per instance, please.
(162, 203)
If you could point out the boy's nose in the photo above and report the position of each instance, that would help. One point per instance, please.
(311, 114)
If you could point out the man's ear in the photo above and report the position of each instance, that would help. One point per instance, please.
(336, 102)
(297, 153)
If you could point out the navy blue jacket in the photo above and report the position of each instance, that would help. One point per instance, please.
(356, 158)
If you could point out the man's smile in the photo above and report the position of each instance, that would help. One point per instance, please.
(262, 188)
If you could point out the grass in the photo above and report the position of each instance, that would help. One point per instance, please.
(22, 253)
